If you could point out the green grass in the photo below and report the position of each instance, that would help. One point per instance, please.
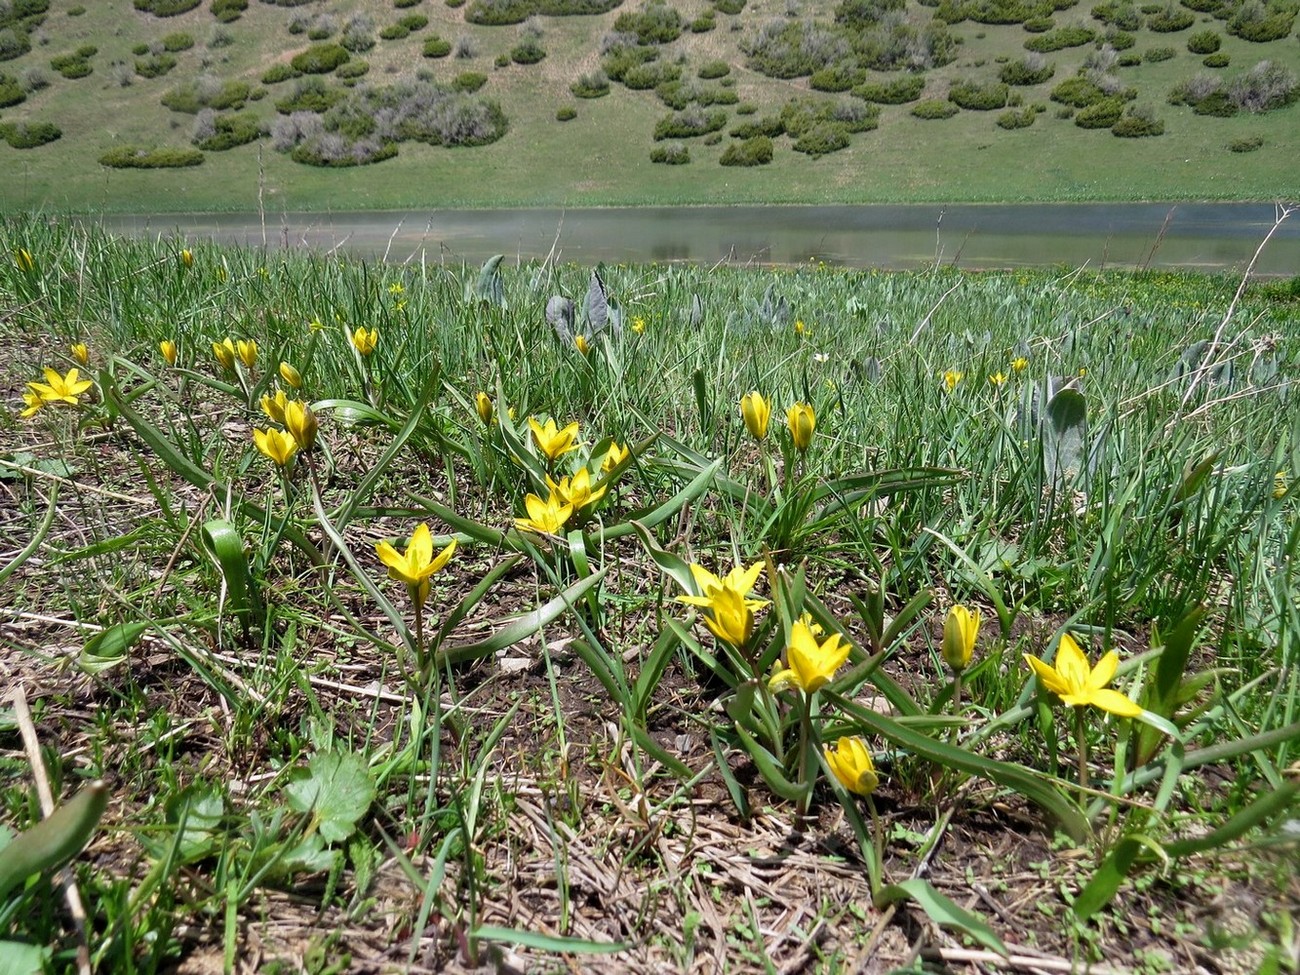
(602, 156)
(293, 739)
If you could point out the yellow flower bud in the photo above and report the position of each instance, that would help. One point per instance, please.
(225, 353)
(81, 353)
(23, 258)
(802, 421)
(187, 257)
(365, 340)
(483, 406)
(290, 375)
(247, 352)
(850, 760)
(960, 628)
(168, 349)
(301, 422)
(756, 412)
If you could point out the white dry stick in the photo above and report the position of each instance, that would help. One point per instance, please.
(32, 745)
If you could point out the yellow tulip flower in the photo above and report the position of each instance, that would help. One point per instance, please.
(998, 378)
(33, 403)
(168, 349)
(1019, 364)
(740, 579)
(483, 406)
(576, 490)
(960, 628)
(365, 340)
(545, 517)
(225, 353)
(951, 378)
(276, 444)
(301, 422)
(802, 421)
(247, 349)
(582, 344)
(1078, 684)
(756, 412)
(850, 760)
(187, 257)
(552, 442)
(417, 564)
(290, 375)
(81, 352)
(1279, 485)
(61, 389)
(638, 325)
(23, 259)
(730, 608)
(613, 457)
(810, 665)
(273, 406)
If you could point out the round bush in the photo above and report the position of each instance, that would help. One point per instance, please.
(166, 8)
(714, 69)
(1204, 42)
(140, 50)
(469, 82)
(395, 32)
(320, 58)
(836, 77)
(933, 108)
(1138, 125)
(1171, 19)
(1078, 92)
(403, 4)
(1017, 118)
(979, 96)
(1219, 60)
(175, 43)
(823, 139)
(566, 114)
(154, 67)
(1101, 115)
(730, 7)
(1245, 145)
(414, 22)
(703, 24)
(436, 47)
(227, 11)
(527, 52)
(135, 157)
(769, 125)
(1031, 70)
(754, 151)
(29, 135)
(498, 13)
(1038, 25)
(353, 70)
(278, 73)
(1060, 39)
(1260, 29)
(1129, 60)
(594, 85)
(897, 91)
(672, 154)
(1156, 54)
(689, 124)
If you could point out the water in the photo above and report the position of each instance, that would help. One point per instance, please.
(1200, 236)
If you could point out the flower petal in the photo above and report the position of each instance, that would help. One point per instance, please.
(1114, 702)
(1047, 676)
(1104, 671)
(1071, 665)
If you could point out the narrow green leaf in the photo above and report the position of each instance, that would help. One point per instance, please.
(546, 942)
(225, 546)
(1105, 883)
(941, 910)
(54, 840)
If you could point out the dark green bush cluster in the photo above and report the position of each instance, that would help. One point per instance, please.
(1156, 54)
(1060, 39)
(934, 108)
(800, 115)
(896, 91)
(822, 139)
(136, 157)
(403, 4)
(468, 82)
(712, 70)
(1204, 42)
(672, 154)
(287, 3)
(1100, 115)
(320, 58)
(29, 135)
(1078, 92)
(593, 85)
(14, 43)
(279, 73)
(1219, 60)
(1138, 124)
(11, 92)
(652, 74)
(566, 113)
(1033, 69)
(1017, 118)
(310, 95)
(753, 151)
(1039, 25)
(840, 76)
(1118, 13)
(527, 52)
(767, 125)
(227, 11)
(654, 23)
(689, 124)
(865, 13)
(979, 96)
(1129, 60)
(1246, 145)
(1171, 19)
(1253, 21)
(155, 66)
(166, 8)
(76, 64)
(729, 7)
(1120, 40)
(177, 42)
(351, 72)
(191, 98)
(795, 49)
(1002, 11)
(622, 58)
(221, 132)
(704, 23)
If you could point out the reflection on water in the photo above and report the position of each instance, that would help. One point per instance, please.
(1187, 235)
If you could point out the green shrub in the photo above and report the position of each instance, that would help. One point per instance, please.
(746, 108)
(1015, 118)
(712, 70)
(729, 7)
(1120, 40)
(768, 125)
(76, 11)
(71, 66)
(227, 11)
(1157, 54)
(140, 50)
(498, 13)
(566, 113)
(1032, 69)
(436, 47)
(689, 124)
(502, 60)
(29, 135)
(1038, 25)
(13, 44)
(753, 151)
(933, 108)
(403, 4)
(1100, 115)
(896, 91)
(620, 60)
(672, 154)
(840, 76)
(154, 67)
(189, 99)
(310, 95)
(11, 93)
(594, 85)
(1138, 124)
(823, 139)
(978, 96)
(166, 8)
(1129, 60)
(229, 131)
(353, 70)
(414, 22)
(703, 24)
(1060, 39)
(527, 52)
(1171, 19)
(395, 32)
(644, 77)
(136, 157)
(1255, 22)
(716, 96)
(654, 23)
(1219, 60)
(175, 43)
(1217, 104)
(320, 59)
(278, 73)
(1078, 92)
(468, 82)
(1204, 42)
(86, 51)
(1118, 13)
(1245, 145)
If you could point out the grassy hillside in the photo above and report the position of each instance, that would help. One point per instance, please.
(603, 154)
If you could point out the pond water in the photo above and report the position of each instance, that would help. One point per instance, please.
(1201, 236)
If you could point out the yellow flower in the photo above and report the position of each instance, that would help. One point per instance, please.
(998, 378)
(1077, 684)
(802, 422)
(301, 423)
(23, 258)
(576, 490)
(33, 402)
(483, 406)
(730, 609)
(247, 352)
(187, 257)
(417, 564)
(273, 406)
(810, 665)
(1083, 371)
(582, 345)
(275, 444)
(396, 288)
(951, 378)
(168, 349)
(290, 375)
(741, 579)
(552, 442)
(225, 353)
(638, 325)
(222, 273)
(81, 353)
(613, 457)
(365, 340)
(1019, 364)
(756, 412)
(960, 628)
(60, 389)
(1279, 485)
(316, 325)
(799, 327)
(546, 517)
(850, 760)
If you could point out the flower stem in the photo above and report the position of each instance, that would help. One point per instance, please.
(1080, 728)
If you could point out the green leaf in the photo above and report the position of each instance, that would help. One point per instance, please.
(336, 789)
(1105, 883)
(222, 542)
(941, 910)
(546, 942)
(17, 958)
(109, 647)
(54, 840)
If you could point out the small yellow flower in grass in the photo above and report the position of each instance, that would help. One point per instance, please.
(168, 349)
(1083, 371)
(1279, 485)
(741, 579)
(576, 490)
(290, 375)
(638, 325)
(247, 349)
(850, 760)
(960, 629)
(33, 403)
(225, 353)
(998, 378)
(365, 339)
(483, 406)
(756, 413)
(810, 665)
(417, 564)
(551, 441)
(222, 274)
(802, 421)
(396, 288)
(187, 257)
(613, 457)
(799, 327)
(276, 444)
(730, 609)
(1078, 684)
(61, 389)
(1019, 364)
(23, 259)
(301, 423)
(81, 352)
(273, 406)
(546, 517)
(316, 325)
(582, 344)
(951, 378)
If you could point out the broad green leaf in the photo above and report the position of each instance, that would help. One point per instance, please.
(225, 546)
(1105, 883)
(336, 789)
(109, 647)
(941, 910)
(18, 958)
(54, 840)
